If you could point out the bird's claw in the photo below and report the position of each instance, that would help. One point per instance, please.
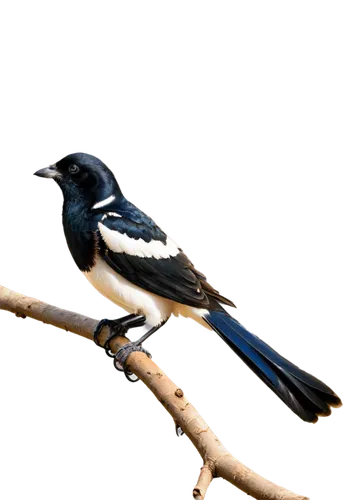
(112, 325)
(121, 326)
(120, 358)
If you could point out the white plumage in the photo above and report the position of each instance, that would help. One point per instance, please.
(122, 243)
(105, 202)
(111, 214)
(134, 299)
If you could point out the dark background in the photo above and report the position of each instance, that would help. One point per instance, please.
(249, 206)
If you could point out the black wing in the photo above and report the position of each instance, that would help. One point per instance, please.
(174, 277)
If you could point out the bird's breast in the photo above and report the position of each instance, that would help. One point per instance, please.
(82, 239)
(127, 295)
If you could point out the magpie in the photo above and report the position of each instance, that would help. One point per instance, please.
(133, 263)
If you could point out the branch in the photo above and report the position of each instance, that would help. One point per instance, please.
(218, 462)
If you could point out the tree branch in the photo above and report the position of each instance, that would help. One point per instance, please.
(218, 462)
(205, 478)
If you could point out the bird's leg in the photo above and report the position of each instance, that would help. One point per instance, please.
(146, 336)
(118, 328)
(123, 326)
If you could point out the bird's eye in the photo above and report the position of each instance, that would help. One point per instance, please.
(73, 169)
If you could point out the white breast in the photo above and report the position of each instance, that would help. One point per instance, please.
(127, 295)
(134, 299)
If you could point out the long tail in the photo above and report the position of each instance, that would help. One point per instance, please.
(307, 396)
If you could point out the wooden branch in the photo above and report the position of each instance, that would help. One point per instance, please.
(218, 462)
(205, 478)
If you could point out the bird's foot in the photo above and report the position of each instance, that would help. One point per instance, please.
(121, 326)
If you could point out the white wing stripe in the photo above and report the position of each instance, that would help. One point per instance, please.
(122, 243)
(110, 214)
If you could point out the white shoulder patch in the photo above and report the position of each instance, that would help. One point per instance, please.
(105, 202)
(122, 243)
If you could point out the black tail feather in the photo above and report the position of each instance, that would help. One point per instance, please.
(304, 394)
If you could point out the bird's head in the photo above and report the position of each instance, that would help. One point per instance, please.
(82, 176)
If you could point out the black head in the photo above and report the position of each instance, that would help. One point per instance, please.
(82, 176)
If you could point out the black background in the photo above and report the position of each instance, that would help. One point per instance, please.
(245, 204)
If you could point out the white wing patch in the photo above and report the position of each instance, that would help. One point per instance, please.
(122, 243)
(110, 214)
(105, 202)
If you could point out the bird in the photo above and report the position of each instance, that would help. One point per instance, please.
(133, 263)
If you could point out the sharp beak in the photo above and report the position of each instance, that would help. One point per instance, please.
(49, 172)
